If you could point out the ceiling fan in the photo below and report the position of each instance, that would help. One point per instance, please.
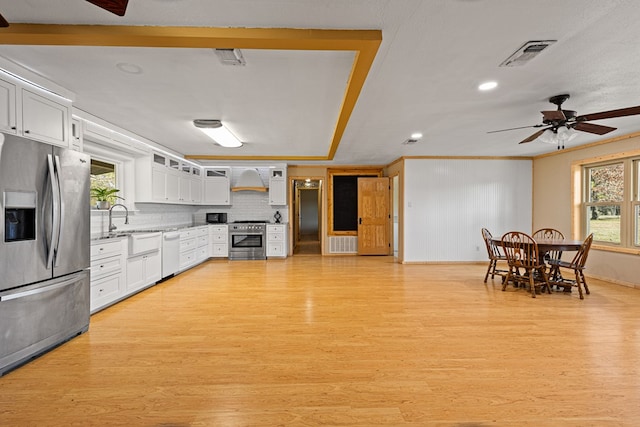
(562, 122)
(118, 7)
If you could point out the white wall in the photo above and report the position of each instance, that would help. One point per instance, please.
(309, 211)
(447, 202)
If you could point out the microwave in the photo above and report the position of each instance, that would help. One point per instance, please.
(216, 217)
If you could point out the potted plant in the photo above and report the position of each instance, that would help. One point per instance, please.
(104, 196)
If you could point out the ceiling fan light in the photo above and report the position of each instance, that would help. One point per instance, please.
(548, 137)
(566, 134)
(558, 136)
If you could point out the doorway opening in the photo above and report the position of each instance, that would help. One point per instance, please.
(307, 216)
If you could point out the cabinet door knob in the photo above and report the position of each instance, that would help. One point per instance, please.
(27, 131)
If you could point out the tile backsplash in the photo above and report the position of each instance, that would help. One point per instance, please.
(246, 205)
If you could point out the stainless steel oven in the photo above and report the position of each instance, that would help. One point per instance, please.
(247, 240)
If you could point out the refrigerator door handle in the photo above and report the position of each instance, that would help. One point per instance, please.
(55, 196)
(60, 222)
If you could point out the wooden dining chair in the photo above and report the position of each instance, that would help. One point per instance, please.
(577, 265)
(495, 256)
(548, 233)
(522, 253)
(552, 234)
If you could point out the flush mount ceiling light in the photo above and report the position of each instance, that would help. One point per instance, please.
(488, 86)
(215, 130)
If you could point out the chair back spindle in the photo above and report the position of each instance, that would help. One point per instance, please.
(522, 252)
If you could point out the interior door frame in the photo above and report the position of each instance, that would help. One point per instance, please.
(294, 226)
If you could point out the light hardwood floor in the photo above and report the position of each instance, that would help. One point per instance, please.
(341, 341)
(309, 244)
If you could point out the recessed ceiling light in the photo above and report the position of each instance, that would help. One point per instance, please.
(126, 67)
(416, 135)
(488, 86)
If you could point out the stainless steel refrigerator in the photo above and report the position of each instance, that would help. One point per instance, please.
(44, 248)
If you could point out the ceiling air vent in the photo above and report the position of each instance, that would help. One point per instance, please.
(230, 56)
(526, 53)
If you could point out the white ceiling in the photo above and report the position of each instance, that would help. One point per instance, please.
(285, 104)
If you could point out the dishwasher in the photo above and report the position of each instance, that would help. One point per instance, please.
(170, 253)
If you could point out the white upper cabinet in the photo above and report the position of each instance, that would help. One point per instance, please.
(217, 186)
(196, 185)
(44, 119)
(30, 112)
(164, 179)
(8, 122)
(278, 186)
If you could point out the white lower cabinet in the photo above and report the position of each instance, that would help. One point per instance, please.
(188, 245)
(115, 274)
(105, 291)
(202, 243)
(108, 273)
(143, 270)
(276, 241)
(219, 241)
(194, 246)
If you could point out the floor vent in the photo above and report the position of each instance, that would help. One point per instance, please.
(343, 245)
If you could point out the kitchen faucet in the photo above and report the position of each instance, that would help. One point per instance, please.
(126, 218)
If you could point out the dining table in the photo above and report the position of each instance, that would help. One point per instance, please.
(548, 245)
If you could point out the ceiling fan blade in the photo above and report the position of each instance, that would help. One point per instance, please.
(532, 137)
(3, 22)
(119, 7)
(553, 115)
(593, 128)
(622, 112)
(521, 127)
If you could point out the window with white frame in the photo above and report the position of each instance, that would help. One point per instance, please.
(611, 202)
(635, 203)
(105, 174)
(605, 197)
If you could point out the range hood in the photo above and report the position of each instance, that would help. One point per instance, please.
(249, 180)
